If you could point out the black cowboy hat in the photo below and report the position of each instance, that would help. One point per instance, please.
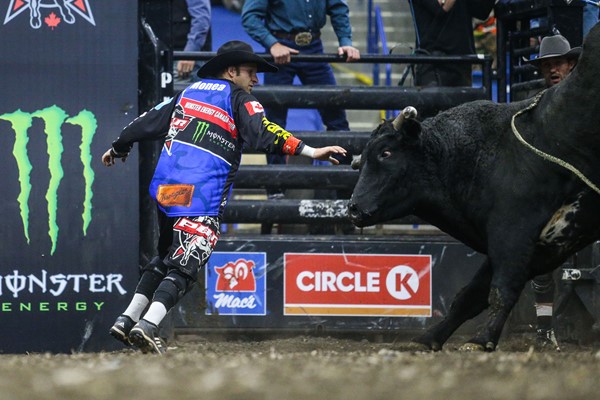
(232, 53)
(555, 46)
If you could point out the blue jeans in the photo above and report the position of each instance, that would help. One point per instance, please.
(309, 73)
(590, 18)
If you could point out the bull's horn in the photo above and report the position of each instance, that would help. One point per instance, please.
(408, 113)
(355, 163)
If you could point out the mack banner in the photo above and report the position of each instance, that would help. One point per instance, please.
(69, 235)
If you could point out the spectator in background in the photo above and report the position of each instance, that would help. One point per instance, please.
(590, 17)
(445, 27)
(190, 31)
(291, 27)
(555, 61)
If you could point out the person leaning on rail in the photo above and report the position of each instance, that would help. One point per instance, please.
(190, 31)
(442, 28)
(203, 130)
(287, 28)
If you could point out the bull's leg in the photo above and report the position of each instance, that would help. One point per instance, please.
(504, 293)
(467, 304)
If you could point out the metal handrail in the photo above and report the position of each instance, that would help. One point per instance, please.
(364, 58)
(484, 60)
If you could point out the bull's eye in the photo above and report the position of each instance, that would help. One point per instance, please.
(386, 154)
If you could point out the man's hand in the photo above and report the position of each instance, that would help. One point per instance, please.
(185, 67)
(282, 54)
(446, 4)
(352, 53)
(108, 158)
(326, 153)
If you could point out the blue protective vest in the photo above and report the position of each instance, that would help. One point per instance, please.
(201, 153)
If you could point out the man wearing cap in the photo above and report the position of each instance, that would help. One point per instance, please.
(555, 62)
(204, 129)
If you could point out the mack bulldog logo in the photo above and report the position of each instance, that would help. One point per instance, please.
(51, 12)
(237, 275)
(236, 283)
(54, 118)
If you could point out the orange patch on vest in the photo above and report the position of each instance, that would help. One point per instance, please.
(175, 195)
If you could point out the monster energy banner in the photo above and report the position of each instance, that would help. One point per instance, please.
(69, 236)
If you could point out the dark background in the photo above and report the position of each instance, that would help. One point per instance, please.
(78, 66)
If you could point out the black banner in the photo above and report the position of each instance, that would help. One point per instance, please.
(69, 236)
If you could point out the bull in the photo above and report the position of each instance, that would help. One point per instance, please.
(515, 182)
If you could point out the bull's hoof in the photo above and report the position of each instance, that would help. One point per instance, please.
(472, 347)
(426, 344)
(416, 346)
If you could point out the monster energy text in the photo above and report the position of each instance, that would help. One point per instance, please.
(53, 117)
(47, 306)
(220, 140)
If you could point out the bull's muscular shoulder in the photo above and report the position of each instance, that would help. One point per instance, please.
(480, 117)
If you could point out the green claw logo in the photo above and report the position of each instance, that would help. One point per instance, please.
(53, 117)
(201, 130)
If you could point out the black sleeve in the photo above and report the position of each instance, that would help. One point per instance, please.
(432, 7)
(151, 125)
(256, 131)
(481, 9)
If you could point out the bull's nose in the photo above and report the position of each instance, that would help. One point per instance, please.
(353, 211)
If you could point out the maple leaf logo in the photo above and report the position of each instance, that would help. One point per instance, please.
(52, 21)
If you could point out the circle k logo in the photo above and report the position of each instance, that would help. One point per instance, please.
(402, 282)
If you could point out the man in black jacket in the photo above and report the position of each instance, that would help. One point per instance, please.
(190, 31)
(445, 27)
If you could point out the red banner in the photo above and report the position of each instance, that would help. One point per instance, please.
(357, 284)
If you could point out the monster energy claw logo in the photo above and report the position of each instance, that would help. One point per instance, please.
(53, 118)
(201, 130)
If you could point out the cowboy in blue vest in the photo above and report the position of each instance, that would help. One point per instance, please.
(204, 129)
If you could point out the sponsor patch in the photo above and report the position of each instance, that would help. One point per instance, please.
(175, 195)
(179, 123)
(209, 113)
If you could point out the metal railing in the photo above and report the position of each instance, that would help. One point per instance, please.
(485, 61)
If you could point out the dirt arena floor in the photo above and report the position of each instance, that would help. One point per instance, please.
(306, 367)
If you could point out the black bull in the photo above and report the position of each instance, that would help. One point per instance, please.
(466, 172)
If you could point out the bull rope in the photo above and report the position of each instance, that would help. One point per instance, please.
(547, 156)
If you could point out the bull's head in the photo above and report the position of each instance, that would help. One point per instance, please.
(387, 167)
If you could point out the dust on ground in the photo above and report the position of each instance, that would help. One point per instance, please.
(306, 367)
